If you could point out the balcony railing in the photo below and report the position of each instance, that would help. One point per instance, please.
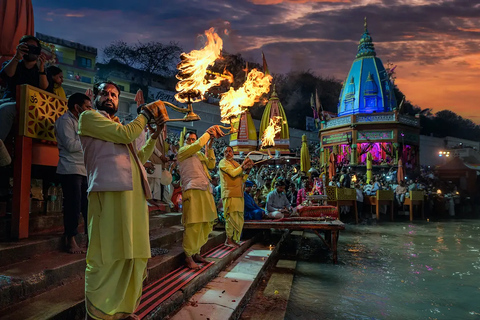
(74, 63)
(340, 121)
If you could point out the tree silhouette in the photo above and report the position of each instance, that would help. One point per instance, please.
(152, 57)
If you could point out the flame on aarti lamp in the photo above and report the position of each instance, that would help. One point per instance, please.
(235, 102)
(274, 127)
(193, 68)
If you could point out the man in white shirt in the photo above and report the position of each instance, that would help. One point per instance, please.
(71, 169)
(199, 210)
(277, 203)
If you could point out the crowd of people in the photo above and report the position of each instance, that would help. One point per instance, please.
(124, 168)
(28, 66)
(274, 191)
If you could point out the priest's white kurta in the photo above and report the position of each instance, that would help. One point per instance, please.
(199, 210)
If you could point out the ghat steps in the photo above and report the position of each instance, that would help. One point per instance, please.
(38, 281)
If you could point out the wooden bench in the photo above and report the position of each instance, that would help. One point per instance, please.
(342, 197)
(383, 197)
(417, 198)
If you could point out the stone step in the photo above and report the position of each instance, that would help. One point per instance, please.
(31, 277)
(40, 273)
(273, 291)
(180, 297)
(66, 301)
(165, 220)
(16, 251)
(226, 295)
(41, 223)
(163, 236)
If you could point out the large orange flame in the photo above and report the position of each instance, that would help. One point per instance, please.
(235, 102)
(193, 68)
(274, 127)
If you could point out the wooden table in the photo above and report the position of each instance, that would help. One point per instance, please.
(331, 229)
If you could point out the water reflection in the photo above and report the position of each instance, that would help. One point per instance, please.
(392, 271)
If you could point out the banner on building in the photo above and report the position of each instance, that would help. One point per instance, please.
(155, 94)
(374, 136)
(337, 138)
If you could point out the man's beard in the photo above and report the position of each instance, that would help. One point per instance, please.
(111, 110)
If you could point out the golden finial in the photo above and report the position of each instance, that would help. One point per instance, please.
(365, 23)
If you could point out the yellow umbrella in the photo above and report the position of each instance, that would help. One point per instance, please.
(182, 137)
(369, 167)
(326, 156)
(304, 156)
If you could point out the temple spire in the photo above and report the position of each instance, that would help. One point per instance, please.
(365, 46)
(265, 66)
(367, 87)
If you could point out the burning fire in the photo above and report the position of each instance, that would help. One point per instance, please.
(193, 69)
(226, 75)
(234, 102)
(274, 127)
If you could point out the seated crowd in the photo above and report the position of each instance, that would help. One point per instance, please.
(274, 192)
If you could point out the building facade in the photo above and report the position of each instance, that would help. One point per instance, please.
(368, 118)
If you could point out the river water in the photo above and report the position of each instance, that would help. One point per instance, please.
(426, 270)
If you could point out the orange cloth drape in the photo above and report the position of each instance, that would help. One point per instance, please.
(16, 20)
(331, 165)
(400, 172)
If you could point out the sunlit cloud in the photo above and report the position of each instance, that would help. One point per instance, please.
(435, 43)
(75, 15)
(477, 30)
(272, 2)
(442, 86)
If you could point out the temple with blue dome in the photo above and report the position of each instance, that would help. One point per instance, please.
(367, 88)
(368, 117)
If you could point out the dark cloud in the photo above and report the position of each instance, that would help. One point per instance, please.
(321, 36)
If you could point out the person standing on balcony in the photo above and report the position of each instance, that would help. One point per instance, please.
(55, 80)
(232, 179)
(71, 169)
(118, 220)
(26, 67)
(199, 210)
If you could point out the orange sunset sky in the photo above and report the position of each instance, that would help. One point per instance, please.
(434, 43)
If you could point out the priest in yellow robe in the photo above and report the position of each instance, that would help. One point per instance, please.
(199, 210)
(119, 246)
(232, 180)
